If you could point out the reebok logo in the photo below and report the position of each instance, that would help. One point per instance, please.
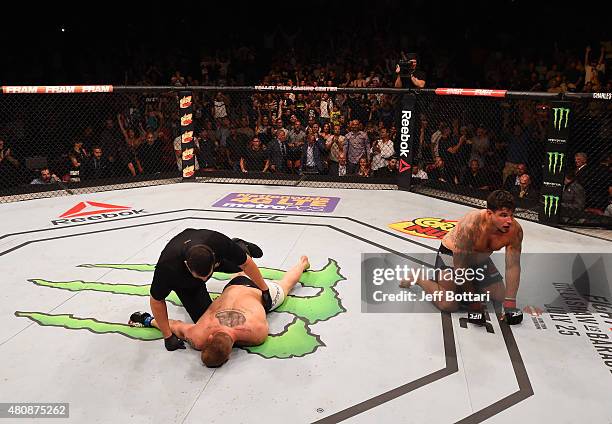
(403, 166)
(405, 140)
(93, 211)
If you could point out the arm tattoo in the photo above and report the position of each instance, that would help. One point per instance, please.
(230, 318)
(466, 236)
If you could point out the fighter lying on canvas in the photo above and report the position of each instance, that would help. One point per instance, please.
(237, 316)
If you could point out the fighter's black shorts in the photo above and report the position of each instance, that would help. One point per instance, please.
(485, 273)
(241, 280)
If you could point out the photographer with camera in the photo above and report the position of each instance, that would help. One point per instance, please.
(407, 70)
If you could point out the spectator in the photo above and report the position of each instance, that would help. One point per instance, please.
(481, 146)
(356, 146)
(451, 151)
(388, 171)
(518, 151)
(150, 154)
(76, 157)
(525, 190)
(278, 152)
(418, 175)
(219, 111)
(9, 166)
(325, 106)
(97, 166)
(474, 177)
(521, 169)
(382, 150)
(205, 152)
(592, 68)
(110, 139)
(244, 129)
(255, 158)
(364, 169)
(436, 136)
(439, 172)
(46, 177)
(312, 155)
(589, 177)
(573, 198)
(341, 169)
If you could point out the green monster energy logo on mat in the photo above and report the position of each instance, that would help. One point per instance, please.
(561, 117)
(553, 158)
(550, 202)
(295, 340)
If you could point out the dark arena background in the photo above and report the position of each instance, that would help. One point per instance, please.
(358, 134)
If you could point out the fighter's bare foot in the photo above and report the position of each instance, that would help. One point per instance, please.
(305, 262)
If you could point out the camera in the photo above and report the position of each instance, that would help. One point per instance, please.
(407, 64)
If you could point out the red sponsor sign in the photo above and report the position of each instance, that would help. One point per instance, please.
(470, 92)
(56, 89)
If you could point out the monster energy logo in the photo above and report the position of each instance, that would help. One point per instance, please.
(561, 114)
(550, 202)
(553, 159)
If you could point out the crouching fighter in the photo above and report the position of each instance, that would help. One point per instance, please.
(236, 317)
(465, 251)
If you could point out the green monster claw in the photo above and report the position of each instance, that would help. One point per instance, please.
(91, 324)
(295, 340)
(328, 276)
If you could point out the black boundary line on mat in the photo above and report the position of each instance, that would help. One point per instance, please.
(227, 211)
(451, 367)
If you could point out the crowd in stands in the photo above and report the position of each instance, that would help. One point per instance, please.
(338, 134)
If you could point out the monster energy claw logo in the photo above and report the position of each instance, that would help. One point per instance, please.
(561, 117)
(553, 158)
(550, 202)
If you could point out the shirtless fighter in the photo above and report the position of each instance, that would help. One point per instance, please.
(237, 316)
(469, 246)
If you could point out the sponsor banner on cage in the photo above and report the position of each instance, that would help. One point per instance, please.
(56, 89)
(292, 88)
(404, 140)
(187, 142)
(186, 119)
(470, 92)
(429, 227)
(555, 161)
(187, 137)
(279, 202)
(185, 102)
(602, 96)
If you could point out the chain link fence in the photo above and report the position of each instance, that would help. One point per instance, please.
(463, 146)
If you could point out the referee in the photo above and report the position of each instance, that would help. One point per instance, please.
(187, 262)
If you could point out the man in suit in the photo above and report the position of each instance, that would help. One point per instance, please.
(312, 155)
(277, 153)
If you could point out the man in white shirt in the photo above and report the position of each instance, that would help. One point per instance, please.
(381, 150)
